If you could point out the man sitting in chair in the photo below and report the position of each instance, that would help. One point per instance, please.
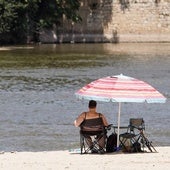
(91, 122)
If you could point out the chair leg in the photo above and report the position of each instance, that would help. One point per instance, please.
(92, 145)
(147, 143)
(127, 144)
(153, 147)
(122, 143)
(83, 147)
(81, 143)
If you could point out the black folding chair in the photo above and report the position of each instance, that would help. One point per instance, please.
(95, 139)
(93, 135)
(134, 139)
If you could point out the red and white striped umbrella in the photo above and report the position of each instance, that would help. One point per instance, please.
(119, 89)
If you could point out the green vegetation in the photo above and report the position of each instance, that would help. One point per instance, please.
(22, 20)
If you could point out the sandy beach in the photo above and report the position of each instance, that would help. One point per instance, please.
(55, 160)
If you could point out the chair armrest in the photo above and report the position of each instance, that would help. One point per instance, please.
(116, 127)
(108, 127)
(135, 127)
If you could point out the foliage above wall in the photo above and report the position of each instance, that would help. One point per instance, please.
(24, 18)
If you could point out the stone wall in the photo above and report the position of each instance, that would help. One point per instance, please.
(116, 21)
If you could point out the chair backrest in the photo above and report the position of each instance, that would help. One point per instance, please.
(92, 126)
(136, 123)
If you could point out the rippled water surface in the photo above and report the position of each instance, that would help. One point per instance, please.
(37, 86)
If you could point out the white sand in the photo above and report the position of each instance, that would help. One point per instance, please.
(58, 160)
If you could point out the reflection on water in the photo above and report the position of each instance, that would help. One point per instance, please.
(37, 85)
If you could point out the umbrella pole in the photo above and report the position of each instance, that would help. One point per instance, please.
(118, 126)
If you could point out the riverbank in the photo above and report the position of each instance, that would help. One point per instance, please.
(65, 160)
(47, 37)
(8, 48)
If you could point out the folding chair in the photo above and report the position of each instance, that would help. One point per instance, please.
(134, 138)
(93, 138)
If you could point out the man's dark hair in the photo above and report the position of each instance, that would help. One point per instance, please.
(92, 104)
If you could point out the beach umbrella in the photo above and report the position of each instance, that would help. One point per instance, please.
(120, 88)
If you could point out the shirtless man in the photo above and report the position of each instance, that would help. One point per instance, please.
(90, 119)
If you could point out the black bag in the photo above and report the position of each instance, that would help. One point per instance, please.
(111, 143)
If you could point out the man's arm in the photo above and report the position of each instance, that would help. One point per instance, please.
(79, 120)
(104, 120)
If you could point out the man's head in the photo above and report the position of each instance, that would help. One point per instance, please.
(92, 104)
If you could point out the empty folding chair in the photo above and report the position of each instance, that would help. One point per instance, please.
(134, 139)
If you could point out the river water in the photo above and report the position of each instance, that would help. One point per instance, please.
(37, 86)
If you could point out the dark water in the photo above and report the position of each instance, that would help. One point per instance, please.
(37, 86)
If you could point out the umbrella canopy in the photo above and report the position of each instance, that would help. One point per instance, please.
(120, 88)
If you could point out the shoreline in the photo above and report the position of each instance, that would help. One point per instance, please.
(52, 160)
(14, 47)
(31, 46)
